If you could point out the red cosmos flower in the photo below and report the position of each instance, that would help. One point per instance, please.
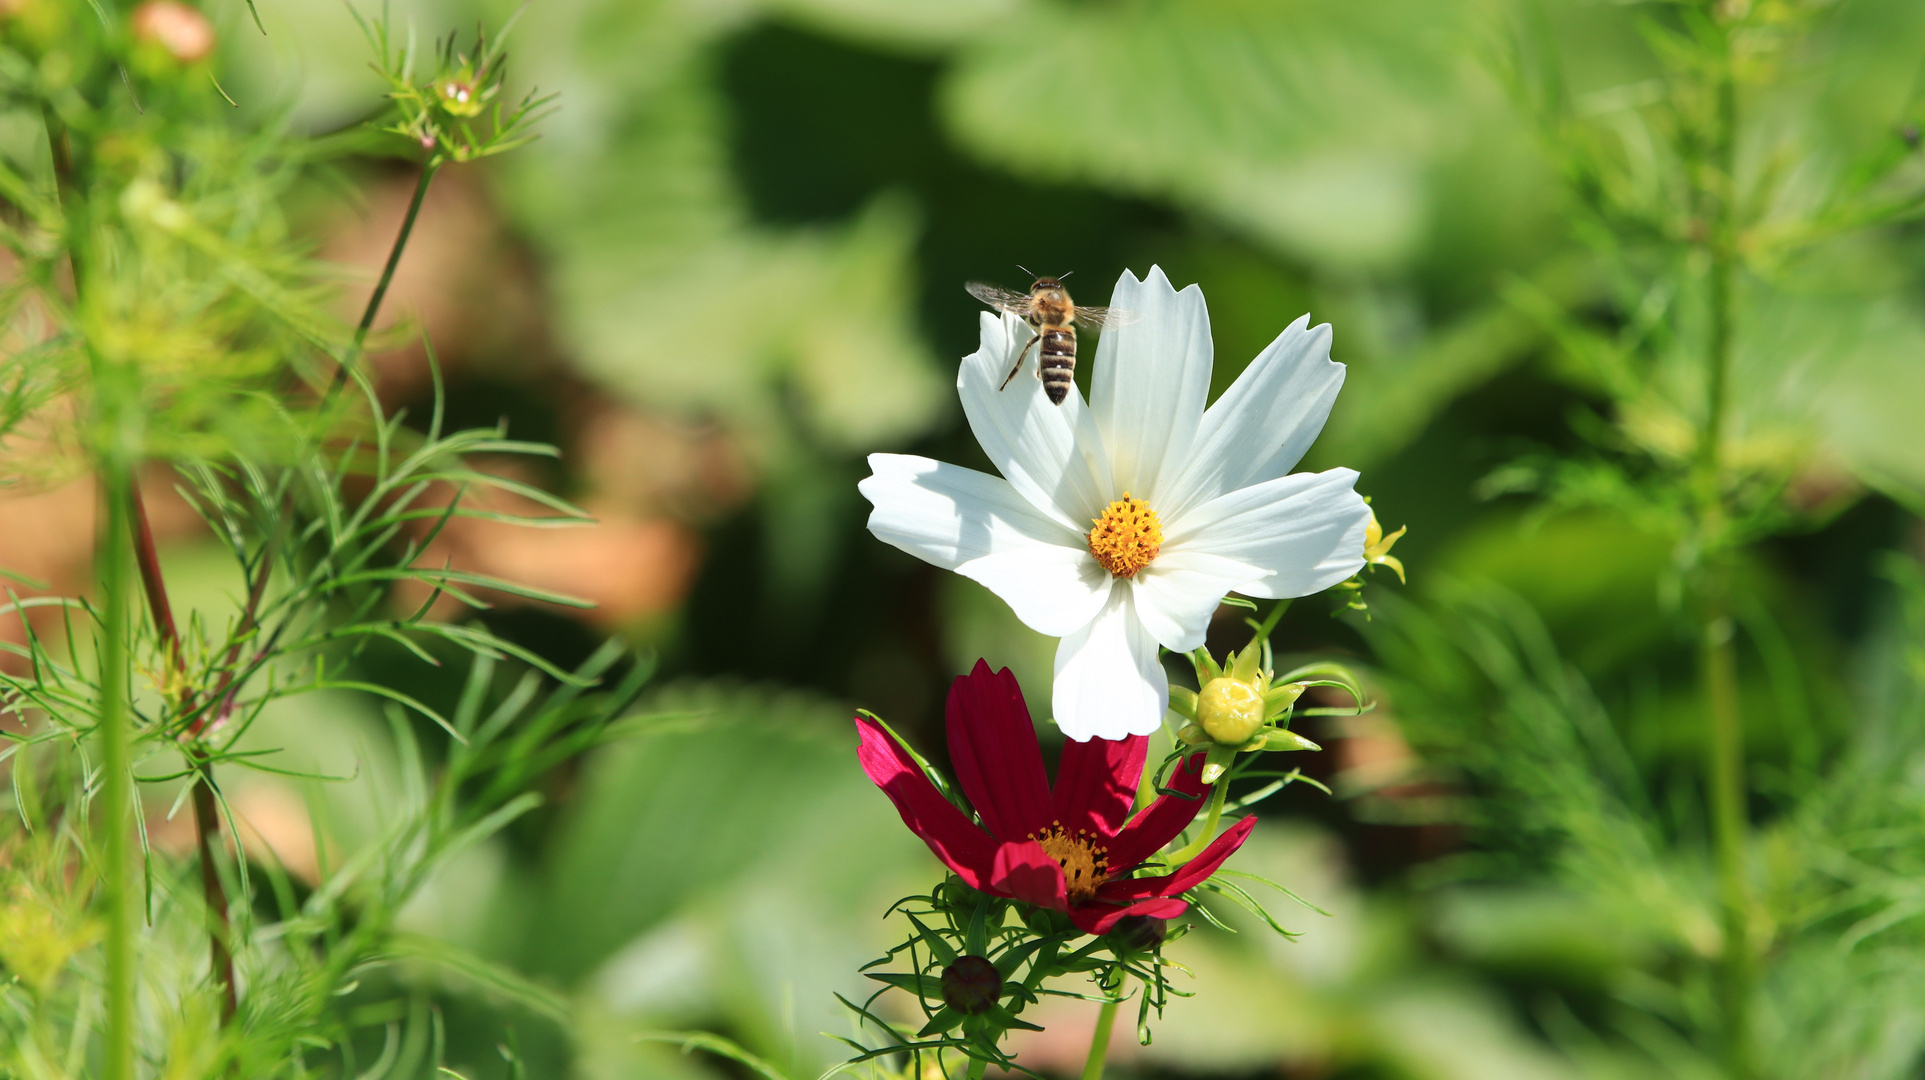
(1066, 848)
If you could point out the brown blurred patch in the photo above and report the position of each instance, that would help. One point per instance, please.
(274, 825)
(1069, 1027)
(1822, 489)
(49, 537)
(629, 567)
(650, 465)
(1389, 785)
(474, 291)
(462, 281)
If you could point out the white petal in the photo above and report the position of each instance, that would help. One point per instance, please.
(978, 526)
(1050, 453)
(1265, 422)
(1303, 532)
(1151, 381)
(1109, 681)
(1178, 593)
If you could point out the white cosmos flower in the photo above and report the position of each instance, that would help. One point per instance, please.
(1120, 525)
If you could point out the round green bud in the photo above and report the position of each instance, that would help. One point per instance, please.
(1231, 711)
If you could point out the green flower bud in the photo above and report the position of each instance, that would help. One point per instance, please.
(1229, 709)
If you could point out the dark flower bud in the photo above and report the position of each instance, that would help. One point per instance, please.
(971, 985)
(1139, 933)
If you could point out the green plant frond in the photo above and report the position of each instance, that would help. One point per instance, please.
(714, 1044)
(490, 976)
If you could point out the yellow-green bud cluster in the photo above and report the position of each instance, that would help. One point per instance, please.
(464, 92)
(1238, 710)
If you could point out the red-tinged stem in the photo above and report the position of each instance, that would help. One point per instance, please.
(221, 702)
(147, 556)
(207, 822)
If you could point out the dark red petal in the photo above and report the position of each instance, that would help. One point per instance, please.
(1159, 823)
(1026, 872)
(1096, 783)
(1186, 877)
(992, 746)
(1097, 918)
(953, 837)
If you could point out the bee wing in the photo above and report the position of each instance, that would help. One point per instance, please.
(1100, 318)
(1016, 303)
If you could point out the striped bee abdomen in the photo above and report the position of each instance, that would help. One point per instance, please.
(1056, 362)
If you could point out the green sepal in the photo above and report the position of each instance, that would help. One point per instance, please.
(1285, 739)
(937, 946)
(1326, 673)
(1216, 760)
(1247, 666)
(976, 938)
(1007, 1019)
(1183, 702)
(945, 1018)
(1193, 735)
(1206, 666)
(921, 985)
(1278, 699)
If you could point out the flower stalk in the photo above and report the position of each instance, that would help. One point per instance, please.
(1724, 724)
(117, 871)
(1099, 1046)
(373, 308)
(115, 434)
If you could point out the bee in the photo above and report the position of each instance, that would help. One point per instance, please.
(1054, 317)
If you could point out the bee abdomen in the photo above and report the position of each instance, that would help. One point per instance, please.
(1056, 363)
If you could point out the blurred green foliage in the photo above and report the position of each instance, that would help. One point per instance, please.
(758, 214)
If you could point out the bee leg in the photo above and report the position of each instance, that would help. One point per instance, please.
(1020, 357)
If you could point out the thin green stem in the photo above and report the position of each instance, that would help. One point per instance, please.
(1724, 722)
(1725, 775)
(1191, 850)
(116, 429)
(373, 308)
(117, 871)
(1099, 1046)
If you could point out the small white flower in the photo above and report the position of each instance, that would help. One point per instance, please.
(1120, 525)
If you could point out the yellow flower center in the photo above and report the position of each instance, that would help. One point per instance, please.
(1126, 537)
(1085, 863)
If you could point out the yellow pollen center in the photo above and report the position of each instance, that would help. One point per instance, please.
(1085, 863)
(1126, 537)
